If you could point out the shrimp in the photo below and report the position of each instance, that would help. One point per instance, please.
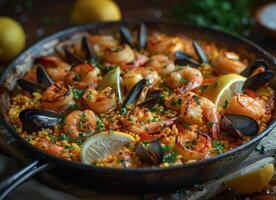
(162, 64)
(136, 74)
(57, 97)
(49, 147)
(101, 42)
(142, 121)
(84, 75)
(79, 122)
(192, 144)
(187, 78)
(228, 62)
(174, 102)
(55, 67)
(200, 111)
(119, 54)
(162, 44)
(103, 101)
(242, 104)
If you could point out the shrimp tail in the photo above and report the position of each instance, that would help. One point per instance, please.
(215, 131)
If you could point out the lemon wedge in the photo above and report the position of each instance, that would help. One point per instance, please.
(99, 146)
(85, 11)
(12, 38)
(224, 88)
(252, 180)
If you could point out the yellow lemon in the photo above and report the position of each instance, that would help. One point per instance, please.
(221, 91)
(85, 11)
(252, 182)
(12, 38)
(101, 145)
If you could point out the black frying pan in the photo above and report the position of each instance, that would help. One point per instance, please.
(140, 179)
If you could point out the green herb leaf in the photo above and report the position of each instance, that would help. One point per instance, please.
(170, 157)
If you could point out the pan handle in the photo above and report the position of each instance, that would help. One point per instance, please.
(20, 176)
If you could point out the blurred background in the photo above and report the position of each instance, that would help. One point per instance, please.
(41, 18)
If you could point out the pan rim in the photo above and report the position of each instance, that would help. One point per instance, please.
(80, 28)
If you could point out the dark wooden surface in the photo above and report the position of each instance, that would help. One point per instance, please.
(41, 18)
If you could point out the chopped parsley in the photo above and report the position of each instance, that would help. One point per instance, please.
(186, 125)
(86, 134)
(210, 124)
(225, 104)
(176, 102)
(124, 110)
(64, 137)
(167, 147)
(170, 157)
(79, 141)
(99, 126)
(203, 88)
(52, 137)
(196, 98)
(89, 97)
(218, 146)
(77, 77)
(69, 147)
(122, 162)
(72, 107)
(77, 93)
(184, 80)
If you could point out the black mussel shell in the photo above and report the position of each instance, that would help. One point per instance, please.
(150, 152)
(253, 66)
(200, 52)
(182, 55)
(259, 80)
(142, 36)
(126, 37)
(29, 86)
(150, 102)
(43, 77)
(72, 58)
(35, 119)
(86, 46)
(239, 125)
(187, 61)
(155, 93)
(134, 93)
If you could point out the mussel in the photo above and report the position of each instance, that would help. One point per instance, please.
(183, 58)
(89, 51)
(150, 152)
(259, 80)
(72, 58)
(126, 37)
(259, 63)
(142, 36)
(43, 79)
(34, 119)
(134, 93)
(239, 125)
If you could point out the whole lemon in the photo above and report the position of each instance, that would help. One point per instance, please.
(85, 11)
(12, 38)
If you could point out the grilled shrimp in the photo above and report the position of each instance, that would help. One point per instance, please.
(228, 62)
(162, 64)
(192, 144)
(200, 111)
(162, 44)
(84, 75)
(133, 76)
(142, 121)
(57, 97)
(245, 105)
(187, 78)
(49, 147)
(101, 42)
(103, 101)
(79, 122)
(119, 54)
(56, 68)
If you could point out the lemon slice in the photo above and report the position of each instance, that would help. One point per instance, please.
(252, 178)
(224, 88)
(99, 146)
(85, 11)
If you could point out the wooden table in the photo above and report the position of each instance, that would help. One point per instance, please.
(41, 18)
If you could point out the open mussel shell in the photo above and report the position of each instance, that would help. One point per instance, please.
(259, 80)
(43, 77)
(142, 36)
(183, 59)
(134, 93)
(72, 58)
(34, 119)
(200, 52)
(29, 86)
(86, 46)
(150, 102)
(126, 37)
(154, 93)
(239, 125)
(150, 152)
(254, 66)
